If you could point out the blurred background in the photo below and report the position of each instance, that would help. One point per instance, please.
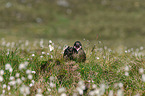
(114, 22)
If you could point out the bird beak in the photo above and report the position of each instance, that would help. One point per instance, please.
(78, 48)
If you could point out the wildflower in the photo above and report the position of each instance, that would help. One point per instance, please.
(119, 92)
(120, 85)
(1, 72)
(50, 41)
(22, 66)
(126, 74)
(47, 53)
(4, 86)
(10, 70)
(17, 75)
(1, 78)
(12, 83)
(31, 85)
(30, 76)
(80, 90)
(7, 66)
(63, 94)
(110, 93)
(12, 78)
(43, 52)
(23, 78)
(41, 56)
(24, 90)
(97, 58)
(39, 92)
(52, 85)
(28, 71)
(61, 90)
(33, 55)
(94, 86)
(141, 70)
(126, 68)
(51, 47)
(143, 77)
(33, 72)
(51, 78)
(8, 87)
(19, 81)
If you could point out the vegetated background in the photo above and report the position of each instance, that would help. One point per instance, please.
(115, 22)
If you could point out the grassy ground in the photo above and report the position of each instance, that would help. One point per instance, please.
(114, 28)
(106, 70)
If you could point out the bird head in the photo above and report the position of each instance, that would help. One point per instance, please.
(77, 45)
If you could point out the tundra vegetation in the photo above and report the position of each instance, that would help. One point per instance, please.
(34, 34)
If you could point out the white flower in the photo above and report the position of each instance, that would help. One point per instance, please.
(24, 90)
(51, 47)
(10, 70)
(38, 95)
(28, 71)
(126, 68)
(26, 63)
(22, 66)
(63, 94)
(17, 75)
(12, 78)
(120, 85)
(33, 72)
(43, 52)
(141, 70)
(1, 72)
(4, 86)
(1, 78)
(19, 81)
(9, 87)
(23, 78)
(126, 74)
(47, 53)
(31, 85)
(119, 92)
(80, 90)
(7, 66)
(41, 56)
(94, 86)
(61, 90)
(33, 81)
(51, 78)
(97, 58)
(50, 41)
(143, 77)
(110, 93)
(33, 55)
(4, 91)
(52, 85)
(12, 83)
(30, 76)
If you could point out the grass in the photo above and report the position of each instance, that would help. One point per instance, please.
(103, 66)
(115, 29)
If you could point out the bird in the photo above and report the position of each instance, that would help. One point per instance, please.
(68, 53)
(78, 53)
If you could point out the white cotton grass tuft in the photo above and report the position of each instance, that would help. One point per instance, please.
(126, 74)
(39, 92)
(1, 78)
(110, 93)
(120, 92)
(143, 77)
(25, 90)
(61, 90)
(126, 68)
(141, 71)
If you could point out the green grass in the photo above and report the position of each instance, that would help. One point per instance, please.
(103, 66)
(118, 25)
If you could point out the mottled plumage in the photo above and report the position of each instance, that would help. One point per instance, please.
(75, 53)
